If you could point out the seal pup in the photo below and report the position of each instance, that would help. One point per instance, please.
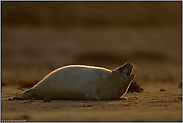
(80, 82)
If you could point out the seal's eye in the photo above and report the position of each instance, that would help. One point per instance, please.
(129, 72)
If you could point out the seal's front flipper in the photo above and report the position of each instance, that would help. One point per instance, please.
(123, 98)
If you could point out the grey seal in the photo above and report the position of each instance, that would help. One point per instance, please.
(81, 82)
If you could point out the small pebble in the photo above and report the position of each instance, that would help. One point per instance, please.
(9, 99)
(162, 90)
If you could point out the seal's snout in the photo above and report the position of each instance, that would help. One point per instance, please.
(127, 68)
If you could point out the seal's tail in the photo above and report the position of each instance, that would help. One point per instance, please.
(24, 95)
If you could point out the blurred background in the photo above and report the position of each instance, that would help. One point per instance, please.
(38, 37)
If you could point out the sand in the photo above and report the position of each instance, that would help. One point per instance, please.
(151, 105)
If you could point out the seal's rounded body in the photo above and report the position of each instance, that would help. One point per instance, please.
(82, 82)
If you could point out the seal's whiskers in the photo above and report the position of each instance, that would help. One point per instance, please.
(137, 68)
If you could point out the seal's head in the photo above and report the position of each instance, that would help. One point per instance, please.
(125, 71)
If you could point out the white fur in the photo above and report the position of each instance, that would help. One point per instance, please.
(81, 82)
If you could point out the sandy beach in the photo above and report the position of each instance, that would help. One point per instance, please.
(151, 105)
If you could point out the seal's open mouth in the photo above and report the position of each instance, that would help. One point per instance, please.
(129, 72)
